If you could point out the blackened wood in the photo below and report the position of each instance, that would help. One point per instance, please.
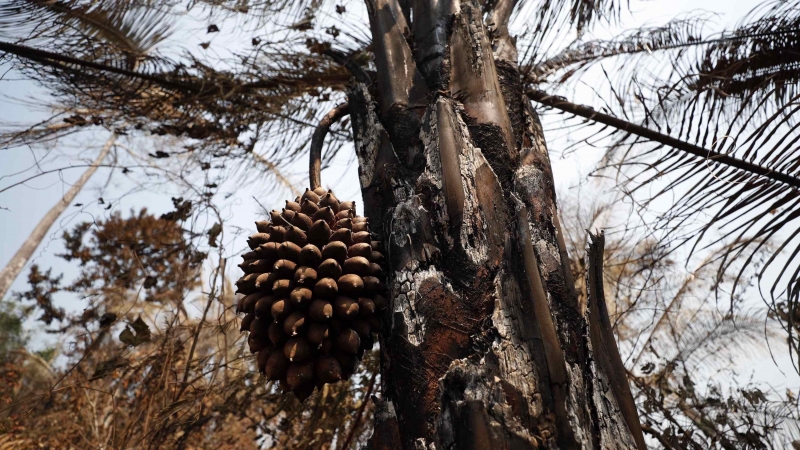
(602, 336)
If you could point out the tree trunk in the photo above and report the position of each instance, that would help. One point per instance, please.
(485, 345)
(18, 261)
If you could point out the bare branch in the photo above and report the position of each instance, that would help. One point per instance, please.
(277, 173)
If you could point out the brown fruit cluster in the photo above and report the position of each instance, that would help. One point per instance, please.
(313, 287)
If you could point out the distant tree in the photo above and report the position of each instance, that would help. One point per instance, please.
(18, 261)
(12, 333)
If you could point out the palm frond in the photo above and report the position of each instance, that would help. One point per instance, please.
(129, 28)
(734, 94)
(580, 55)
(565, 14)
(244, 115)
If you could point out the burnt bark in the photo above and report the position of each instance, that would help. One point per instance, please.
(485, 345)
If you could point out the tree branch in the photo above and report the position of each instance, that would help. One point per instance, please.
(318, 140)
(345, 61)
(18, 261)
(584, 111)
(211, 296)
(360, 413)
(52, 59)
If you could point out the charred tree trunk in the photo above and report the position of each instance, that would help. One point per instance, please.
(18, 261)
(485, 345)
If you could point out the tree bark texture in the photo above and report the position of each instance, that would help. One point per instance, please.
(485, 345)
(18, 261)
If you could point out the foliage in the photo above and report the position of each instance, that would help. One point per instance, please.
(140, 252)
(145, 377)
(12, 334)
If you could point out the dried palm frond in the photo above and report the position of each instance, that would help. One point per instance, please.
(87, 28)
(733, 93)
(563, 14)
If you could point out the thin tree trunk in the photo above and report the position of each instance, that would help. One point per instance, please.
(485, 345)
(18, 261)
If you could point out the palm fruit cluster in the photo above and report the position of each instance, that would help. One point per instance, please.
(313, 288)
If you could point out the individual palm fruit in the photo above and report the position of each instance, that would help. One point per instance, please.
(317, 332)
(294, 323)
(276, 334)
(345, 308)
(297, 349)
(269, 251)
(335, 250)
(263, 226)
(310, 256)
(258, 327)
(255, 345)
(357, 265)
(350, 284)
(246, 322)
(325, 288)
(281, 309)
(325, 214)
(330, 269)
(313, 291)
(305, 276)
(366, 307)
(300, 296)
(320, 310)
(264, 306)
(278, 233)
(263, 357)
(309, 208)
(348, 341)
(249, 302)
(297, 236)
(327, 368)
(276, 365)
(257, 239)
(299, 374)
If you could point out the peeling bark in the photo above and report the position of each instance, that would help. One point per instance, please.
(485, 344)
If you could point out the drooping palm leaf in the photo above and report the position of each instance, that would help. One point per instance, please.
(734, 93)
(564, 14)
(86, 27)
(581, 55)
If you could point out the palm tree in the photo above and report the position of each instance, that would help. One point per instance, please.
(487, 343)
(18, 261)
